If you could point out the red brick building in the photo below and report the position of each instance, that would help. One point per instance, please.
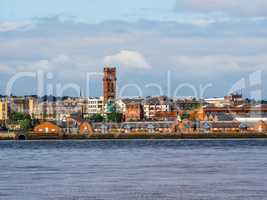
(47, 128)
(134, 112)
(204, 112)
(166, 116)
(109, 84)
(86, 129)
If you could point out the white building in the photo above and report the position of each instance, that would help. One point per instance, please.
(94, 105)
(218, 102)
(251, 119)
(156, 104)
(230, 100)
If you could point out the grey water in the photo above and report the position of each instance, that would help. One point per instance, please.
(133, 169)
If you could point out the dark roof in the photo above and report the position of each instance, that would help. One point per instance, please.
(154, 101)
(250, 124)
(63, 124)
(158, 100)
(222, 124)
(128, 101)
(166, 124)
(223, 116)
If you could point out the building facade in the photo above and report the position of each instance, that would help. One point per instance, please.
(3, 111)
(94, 106)
(25, 105)
(153, 105)
(59, 110)
(47, 128)
(109, 84)
(134, 112)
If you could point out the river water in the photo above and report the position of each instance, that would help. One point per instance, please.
(133, 169)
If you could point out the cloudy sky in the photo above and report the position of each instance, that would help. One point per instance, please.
(172, 47)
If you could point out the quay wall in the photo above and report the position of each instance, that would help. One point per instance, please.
(7, 135)
(33, 136)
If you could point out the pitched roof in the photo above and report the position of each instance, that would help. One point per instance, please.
(222, 124)
(126, 125)
(128, 101)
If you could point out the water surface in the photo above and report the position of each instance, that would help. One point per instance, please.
(133, 169)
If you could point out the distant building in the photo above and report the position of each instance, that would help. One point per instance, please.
(135, 127)
(187, 104)
(94, 106)
(251, 119)
(166, 116)
(245, 111)
(109, 84)
(235, 99)
(47, 128)
(134, 112)
(57, 110)
(45, 110)
(3, 111)
(217, 127)
(86, 129)
(233, 127)
(24, 104)
(152, 105)
(32, 101)
(230, 100)
(217, 102)
(62, 108)
(122, 103)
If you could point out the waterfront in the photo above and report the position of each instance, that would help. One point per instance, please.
(133, 169)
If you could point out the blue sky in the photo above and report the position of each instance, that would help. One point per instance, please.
(198, 43)
(92, 11)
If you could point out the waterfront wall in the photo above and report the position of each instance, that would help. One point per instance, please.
(7, 136)
(33, 136)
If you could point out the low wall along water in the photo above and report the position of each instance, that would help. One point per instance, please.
(34, 136)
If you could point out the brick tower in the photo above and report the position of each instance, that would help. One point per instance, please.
(109, 81)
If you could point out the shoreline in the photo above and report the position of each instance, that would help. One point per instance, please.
(129, 136)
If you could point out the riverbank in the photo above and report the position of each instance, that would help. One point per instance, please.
(99, 136)
(7, 135)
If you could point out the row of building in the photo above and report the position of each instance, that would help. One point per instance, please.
(201, 116)
(231, 112)
(161, 108)
(87, 128)
(51, 108)
(56, 109)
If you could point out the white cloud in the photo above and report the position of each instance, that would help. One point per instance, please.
(231, 7)
(67, 67)
(70, 50)
(220, 64)
(14, 26)
(127, 59)
(200, 22)
(5, 69)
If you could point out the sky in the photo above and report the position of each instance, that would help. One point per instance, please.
(202, 48)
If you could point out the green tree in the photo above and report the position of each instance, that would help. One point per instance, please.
(97, 118)
(24, 120)
(195, 106)
(114, 117)
(185, 116)
(16, 117)
(25, 124)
